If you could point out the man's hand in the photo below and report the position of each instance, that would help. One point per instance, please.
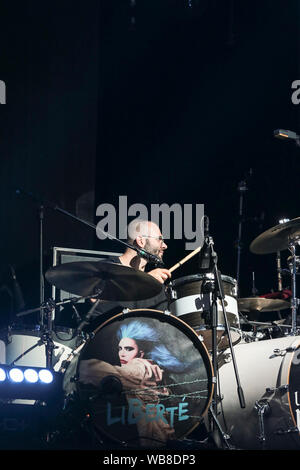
(161, 274)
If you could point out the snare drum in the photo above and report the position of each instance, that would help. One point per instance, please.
(269, 373)
(192, 304)
(160, 393)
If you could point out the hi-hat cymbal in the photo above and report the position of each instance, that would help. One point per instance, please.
(262, 304)
(117, 282)
(276, 238)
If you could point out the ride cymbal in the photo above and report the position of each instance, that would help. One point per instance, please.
(276, 238)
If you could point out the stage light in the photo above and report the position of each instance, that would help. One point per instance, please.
(283, 221)
(32, 383)
(16, 375)
(2, 375)
(45, 376)
(31, 375)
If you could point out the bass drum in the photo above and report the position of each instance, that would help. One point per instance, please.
(192, 304)
(160, 392)
(269, 374)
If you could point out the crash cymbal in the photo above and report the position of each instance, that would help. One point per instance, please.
(276, 238)
(262, 304)
(119, 282)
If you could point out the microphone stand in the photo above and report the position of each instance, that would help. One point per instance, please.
(143, 253)
(42, 282)
(208, 262)
(242, 187)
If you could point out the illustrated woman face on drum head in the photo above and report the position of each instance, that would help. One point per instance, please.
(153, 404)
(128, 350)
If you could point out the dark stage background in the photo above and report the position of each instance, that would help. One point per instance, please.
(162, 101)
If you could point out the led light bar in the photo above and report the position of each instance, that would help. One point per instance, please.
(35, 383)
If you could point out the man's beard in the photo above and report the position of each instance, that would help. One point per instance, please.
(152, 250)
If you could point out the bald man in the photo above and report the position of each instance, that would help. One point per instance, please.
(145, 235)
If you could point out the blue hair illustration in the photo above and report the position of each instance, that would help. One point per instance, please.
(143, 333)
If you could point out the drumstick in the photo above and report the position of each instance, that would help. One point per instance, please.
(177, 265)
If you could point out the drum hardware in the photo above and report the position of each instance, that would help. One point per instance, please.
(282, 352)
(282, 388)
(294, 300)
(47, 308)
(242, 188)
(208, 262)
(290, 263)
(279, 271)
(263, 409)
(224, 436)
(125, 310)
(287, 431)
(284, 236)
(254, 290)
(170, 292)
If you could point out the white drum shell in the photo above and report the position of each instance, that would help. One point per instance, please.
(261, 371)
(199, 303)
(20, 342)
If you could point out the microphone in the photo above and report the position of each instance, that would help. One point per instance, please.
(206, 226)
(150, 257)
(205, 258)
(286, 134)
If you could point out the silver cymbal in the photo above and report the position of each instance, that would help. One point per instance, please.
(262, 304)
(276, 238)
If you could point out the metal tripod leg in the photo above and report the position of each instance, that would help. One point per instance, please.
(219, 436)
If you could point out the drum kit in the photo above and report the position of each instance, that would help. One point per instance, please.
(238, 381)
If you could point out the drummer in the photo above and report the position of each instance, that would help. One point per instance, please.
(145, 235)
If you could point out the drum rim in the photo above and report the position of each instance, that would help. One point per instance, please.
(202, 276)
(285, 373)
(207, 361)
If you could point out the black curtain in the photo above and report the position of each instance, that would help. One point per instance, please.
(192, 92)
(48, 147)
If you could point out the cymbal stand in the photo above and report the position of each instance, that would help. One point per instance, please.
(47, 336)
(294, 269)
(47, 309)
(242, 188)
(42, 281)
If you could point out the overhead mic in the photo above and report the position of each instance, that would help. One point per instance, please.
(205, 259)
